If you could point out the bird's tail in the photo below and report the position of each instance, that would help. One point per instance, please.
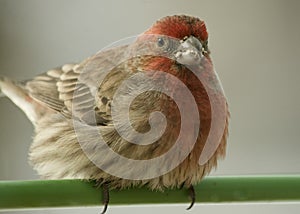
(1, 93)
(18, 94)
(11, 89)
(7, 85)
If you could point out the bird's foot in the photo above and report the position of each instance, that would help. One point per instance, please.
(105, 196)
(192, 194)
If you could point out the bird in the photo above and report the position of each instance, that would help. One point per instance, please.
(149, 113)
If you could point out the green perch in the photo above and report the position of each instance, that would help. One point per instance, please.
(67, 193)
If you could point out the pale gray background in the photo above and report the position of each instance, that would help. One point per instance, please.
(255, 48)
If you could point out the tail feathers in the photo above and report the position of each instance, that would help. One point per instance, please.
(1, 93)
(18, 94)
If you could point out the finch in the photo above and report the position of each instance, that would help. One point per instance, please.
(150, 113)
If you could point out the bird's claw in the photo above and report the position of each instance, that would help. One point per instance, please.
(192, 194)
(105, 197)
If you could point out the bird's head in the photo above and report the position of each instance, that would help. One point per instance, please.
(183, 38)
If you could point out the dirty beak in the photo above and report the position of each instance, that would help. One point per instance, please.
(189, 52)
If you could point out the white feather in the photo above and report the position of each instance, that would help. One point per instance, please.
(18, 95)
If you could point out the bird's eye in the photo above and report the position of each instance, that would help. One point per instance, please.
(160, 42)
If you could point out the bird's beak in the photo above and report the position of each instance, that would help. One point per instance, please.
(189, 52)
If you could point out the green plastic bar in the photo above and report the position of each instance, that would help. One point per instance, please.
(66, 193)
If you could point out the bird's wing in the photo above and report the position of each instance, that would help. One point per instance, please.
(72, 88)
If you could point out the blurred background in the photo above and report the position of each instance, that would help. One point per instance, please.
(255, 48)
